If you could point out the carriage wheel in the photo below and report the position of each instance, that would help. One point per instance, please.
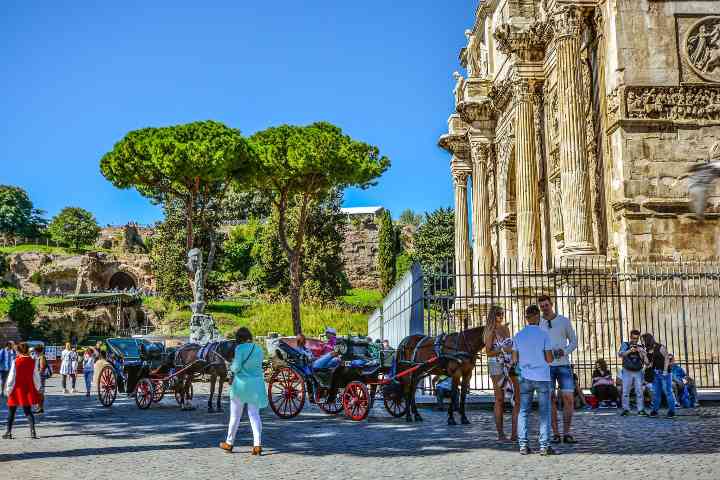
(158, 390)
(356, 401)
(286, 393)
(107, 386)
(395, 407)
(333, 408)
(178, 397)
(144, 394)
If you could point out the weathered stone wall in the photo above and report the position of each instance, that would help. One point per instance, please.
(360, 250)
(35, 273)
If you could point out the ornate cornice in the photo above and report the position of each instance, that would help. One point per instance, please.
(527, 45)
(456, 144)
(476, 110)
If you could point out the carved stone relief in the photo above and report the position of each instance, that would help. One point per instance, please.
(673, 103)
(701, 48)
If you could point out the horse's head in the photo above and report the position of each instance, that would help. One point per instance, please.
(226, 349)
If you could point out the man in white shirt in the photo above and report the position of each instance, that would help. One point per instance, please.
(532, 355)
(563, 341)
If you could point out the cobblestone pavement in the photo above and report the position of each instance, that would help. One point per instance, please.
(80, 439)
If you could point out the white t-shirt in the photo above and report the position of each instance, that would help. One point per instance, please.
(531, 343)
(562, 336)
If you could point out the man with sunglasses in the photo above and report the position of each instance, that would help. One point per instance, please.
(563, 340)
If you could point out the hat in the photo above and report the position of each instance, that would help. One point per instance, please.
(330, 330)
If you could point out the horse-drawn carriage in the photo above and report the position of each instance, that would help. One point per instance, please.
(131, 371)
(351, 385)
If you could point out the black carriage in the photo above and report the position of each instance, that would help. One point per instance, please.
(133, 362)
(351, 386)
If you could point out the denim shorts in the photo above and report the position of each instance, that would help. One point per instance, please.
(562, 376)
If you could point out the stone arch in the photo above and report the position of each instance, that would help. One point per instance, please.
(122, 280)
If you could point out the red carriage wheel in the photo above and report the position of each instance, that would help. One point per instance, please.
(158, 390)
(396, 406)
(356, 401)
(332, 408)
(144, 394)
(107, 386)
(286, 392)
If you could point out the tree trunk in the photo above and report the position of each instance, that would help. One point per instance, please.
(295, 283)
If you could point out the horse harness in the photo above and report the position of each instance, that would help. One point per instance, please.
(456, 355)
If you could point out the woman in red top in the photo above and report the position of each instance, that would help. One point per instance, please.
(22, 389)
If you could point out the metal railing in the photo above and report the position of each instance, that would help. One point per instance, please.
(677, 302)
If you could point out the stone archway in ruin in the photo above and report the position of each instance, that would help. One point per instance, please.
(122, 281)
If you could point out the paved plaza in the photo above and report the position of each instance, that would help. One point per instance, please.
(79, 439)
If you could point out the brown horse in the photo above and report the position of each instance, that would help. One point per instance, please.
(216, 365)
(456, 357)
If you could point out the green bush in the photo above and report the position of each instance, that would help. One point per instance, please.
(22, 311)
(3, 264)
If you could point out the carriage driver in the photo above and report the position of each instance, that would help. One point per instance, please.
(329, 358)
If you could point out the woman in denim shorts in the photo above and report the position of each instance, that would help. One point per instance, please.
(498, 345)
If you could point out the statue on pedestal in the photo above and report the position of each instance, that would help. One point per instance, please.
(202, 327)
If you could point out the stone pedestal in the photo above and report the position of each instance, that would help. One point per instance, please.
(203, 329)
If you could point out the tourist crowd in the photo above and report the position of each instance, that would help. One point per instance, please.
(535, 362)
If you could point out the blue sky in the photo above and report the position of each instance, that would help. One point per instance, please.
(79, 75)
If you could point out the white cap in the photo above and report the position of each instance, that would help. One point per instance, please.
(331, 330)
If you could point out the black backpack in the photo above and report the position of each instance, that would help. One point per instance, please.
(633, 362)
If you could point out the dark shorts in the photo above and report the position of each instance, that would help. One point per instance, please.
(562, 376)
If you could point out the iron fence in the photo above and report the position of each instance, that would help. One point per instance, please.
(677, 302)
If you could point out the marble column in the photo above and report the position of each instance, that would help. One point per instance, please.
(574, 168)
(482, 248)
(463, 266)
(527, 202)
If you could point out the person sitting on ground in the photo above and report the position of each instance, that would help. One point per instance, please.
(443, 389)
(603, 387)
(684, 385)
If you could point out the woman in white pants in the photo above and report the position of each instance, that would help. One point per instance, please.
(248, 388)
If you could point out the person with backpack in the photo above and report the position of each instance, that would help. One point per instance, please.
(634, 359)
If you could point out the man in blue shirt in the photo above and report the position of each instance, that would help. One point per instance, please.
(532, 354)
(7, 357)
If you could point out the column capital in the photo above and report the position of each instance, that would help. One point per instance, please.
(480, 151)
(567, 21)
(528, 44)
(527, 90)
(460, 177)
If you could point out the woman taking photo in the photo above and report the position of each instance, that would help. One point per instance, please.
(248, 389)
(498, 346)
(68, 366)
(23, 384)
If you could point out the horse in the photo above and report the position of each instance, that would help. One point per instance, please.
(216, 364)
(456, 357)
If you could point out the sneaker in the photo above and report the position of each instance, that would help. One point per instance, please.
(569, 439)
(642, 413)
(556, 439)
(65, 390)
(653, 414)
(546, 451)
(625, 413)
(671, 415)
(72, 390)
(525, 451)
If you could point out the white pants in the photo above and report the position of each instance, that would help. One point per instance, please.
(628, 380)
(236, 411)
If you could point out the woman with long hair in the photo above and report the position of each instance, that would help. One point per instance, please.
(22, 388)
(68, 366)
(45, 371)
(603, 386)
(498, 347)
(247, 390)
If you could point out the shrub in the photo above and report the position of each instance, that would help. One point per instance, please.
(387, 249)
(22, 312)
